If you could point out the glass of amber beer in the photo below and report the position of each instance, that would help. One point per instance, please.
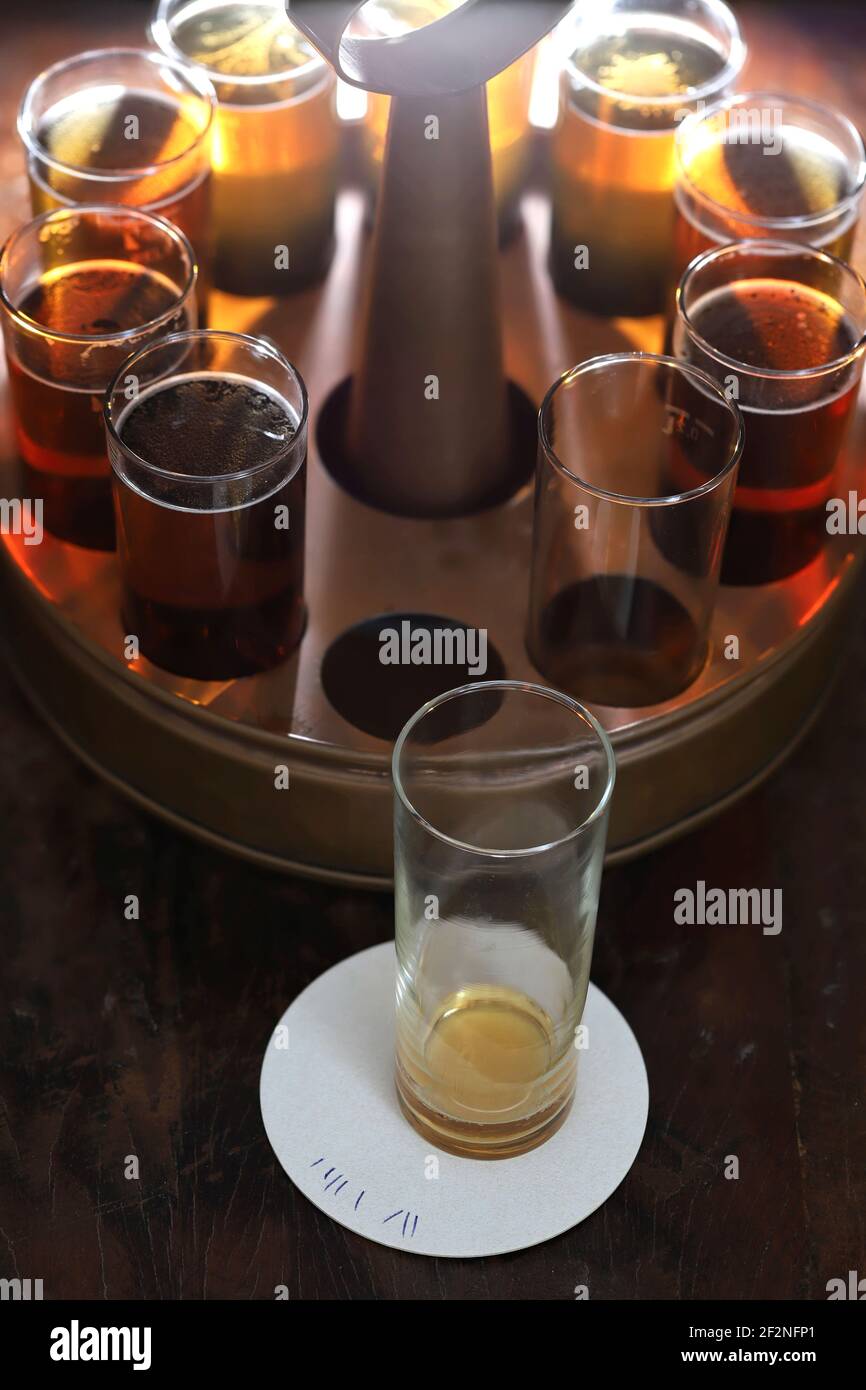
(80, 289)
(635, 68)
(207, 436)
(508, 97)
(764, 165)
(782, 327)
(123, 125)
(636, 467)
(276, 143)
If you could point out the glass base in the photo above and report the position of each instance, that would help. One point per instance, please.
(469, 1139)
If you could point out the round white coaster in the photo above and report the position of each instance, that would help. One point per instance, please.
(331, 1114)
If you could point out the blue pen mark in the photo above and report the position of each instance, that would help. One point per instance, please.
(339, 1182)
(406, 1218)
(338, 1178)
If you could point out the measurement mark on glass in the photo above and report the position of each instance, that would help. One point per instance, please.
(682, 422)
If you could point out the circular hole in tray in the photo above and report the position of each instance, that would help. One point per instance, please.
(331, 437)
(379, 698)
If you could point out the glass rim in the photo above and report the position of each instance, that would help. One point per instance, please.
(805, 219)
(767, 246)
(160, 32)
(641, 358)
(102, 210)
(199, 334)
(734, 61)
(199, 82)
(528, 688)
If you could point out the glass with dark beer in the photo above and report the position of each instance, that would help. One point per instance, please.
(81, 289)
(207, 437)
(782, 328)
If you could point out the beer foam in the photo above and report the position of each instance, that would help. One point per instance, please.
(89, 129)
(777, 325)
(98, 298)
(807, 175)
(241, 40)
(208, 425)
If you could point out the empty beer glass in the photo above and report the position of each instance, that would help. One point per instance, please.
(636, 467)
(502, 797)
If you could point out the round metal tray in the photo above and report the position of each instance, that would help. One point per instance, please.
(203, 755)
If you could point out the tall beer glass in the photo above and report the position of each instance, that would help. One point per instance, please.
(500, 819)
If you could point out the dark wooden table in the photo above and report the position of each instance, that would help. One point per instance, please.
(145, 1037)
